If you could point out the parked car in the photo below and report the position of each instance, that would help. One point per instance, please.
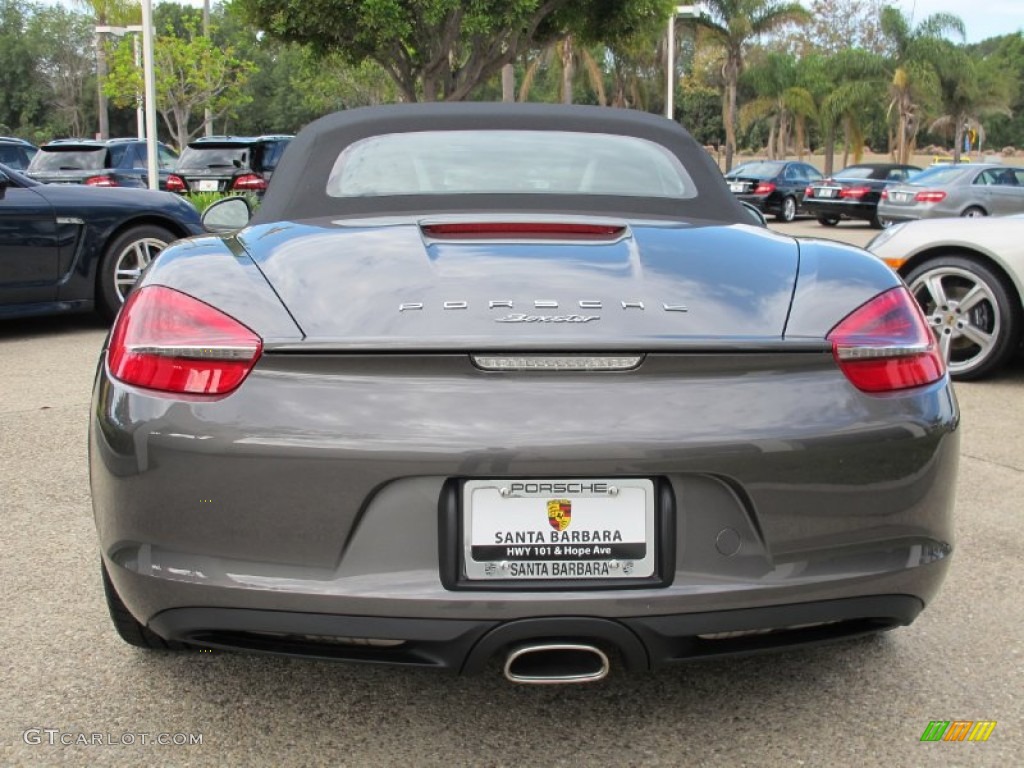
(74, 248)
(976, 189)
(231, 163)
(774, 186)
(106, 163)
(854, 192)
(16, 153)
(520, 381)
(968, 277)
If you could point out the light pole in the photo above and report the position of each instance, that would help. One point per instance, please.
(149, 79)
(680, 12)
(140, 121)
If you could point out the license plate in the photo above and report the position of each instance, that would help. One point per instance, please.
(826, 192)
(737, 186)
(208, 185)
(900, 197)
(558, 529)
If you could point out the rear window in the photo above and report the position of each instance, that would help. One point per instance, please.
(857, 172)
(943, 174)
(508, 162)
(212, 158)
(755, 171)
(75, 159)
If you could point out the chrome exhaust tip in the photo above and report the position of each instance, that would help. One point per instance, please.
(556, 664)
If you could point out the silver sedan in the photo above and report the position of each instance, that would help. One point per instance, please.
(955, 190)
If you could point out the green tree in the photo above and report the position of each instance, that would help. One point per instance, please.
(440, 49)
(1006, 53)
(192, 73)
(835, 26)
(914, 82)
(857, 77)
(781, 100)
(734, 24)
(64, 49)
(20, 86)
(568, 58)
(971, 89)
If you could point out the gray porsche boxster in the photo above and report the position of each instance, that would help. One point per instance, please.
(518, 383)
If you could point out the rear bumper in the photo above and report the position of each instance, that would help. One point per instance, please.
(467, 646)
(851, 209)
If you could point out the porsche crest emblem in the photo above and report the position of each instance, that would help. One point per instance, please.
(559, 513)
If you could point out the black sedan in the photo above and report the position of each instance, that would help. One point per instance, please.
(854, 192)
(773, 186)
(73, 248)
(519, 382)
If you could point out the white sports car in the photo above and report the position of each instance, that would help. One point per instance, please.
(968, 276)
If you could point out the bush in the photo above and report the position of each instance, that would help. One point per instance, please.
(1009, 151)
(203, 200)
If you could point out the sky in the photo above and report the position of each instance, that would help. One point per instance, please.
(983, 18)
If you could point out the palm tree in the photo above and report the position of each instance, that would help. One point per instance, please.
(107, 13)
(917, 51)
(734, 24)
(568, 57)
(857, 77)
(970, 89)
(781, 100)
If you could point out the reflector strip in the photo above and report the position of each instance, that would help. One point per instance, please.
(873, 353)
(557, 362)
(196, 353)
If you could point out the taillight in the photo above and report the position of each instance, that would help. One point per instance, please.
(250, 182)
(100, 181)
(885, 345)
(169, 341)
(176, 184)
(522, 229)
(764, 188)
(809, 192)
(930, 196)
(885, 194)
(854, 192)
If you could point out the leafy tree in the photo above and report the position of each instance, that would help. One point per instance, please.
(1006, 53)
(568, 57)
(734, 24)
(858, 77)
(64, 46)
(971, 89)
(835, 26)
(440, 49)
(781, 100)
(20, 84)
(916, 50)
(191, 73)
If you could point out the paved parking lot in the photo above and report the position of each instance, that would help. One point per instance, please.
(859, 703)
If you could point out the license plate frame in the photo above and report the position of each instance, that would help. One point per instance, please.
(208, 185)
(579, 569)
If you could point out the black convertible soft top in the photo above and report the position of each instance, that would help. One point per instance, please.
(299, 188)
